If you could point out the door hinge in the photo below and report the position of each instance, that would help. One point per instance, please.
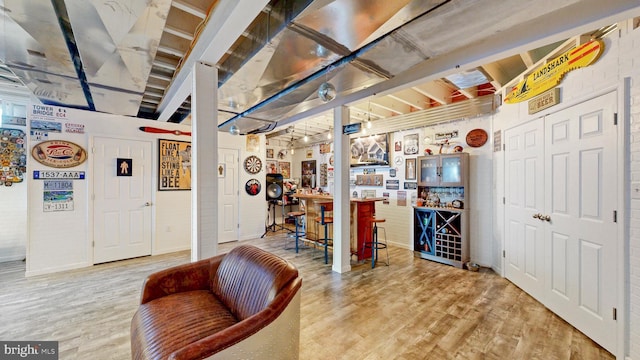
(615, 118)
(93, 149)
(93, 244)
(504, 253)
(615, 216)
(238, 225)
(504, 147)
(615, 314)
(504, 200)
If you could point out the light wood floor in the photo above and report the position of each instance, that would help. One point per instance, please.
(413, 309)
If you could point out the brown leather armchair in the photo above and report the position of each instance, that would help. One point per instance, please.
(241, 305)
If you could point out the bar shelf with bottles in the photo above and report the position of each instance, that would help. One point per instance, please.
(440, 215)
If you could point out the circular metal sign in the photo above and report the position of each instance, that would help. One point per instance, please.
(252, 187)
(477, 137)
(58, 154)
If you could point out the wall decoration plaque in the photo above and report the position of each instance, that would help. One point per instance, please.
(13, 160)
(58, 154)
(253, 187)
(477, 137)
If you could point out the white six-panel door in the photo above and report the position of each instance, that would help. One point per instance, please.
(122, 204)
(580, 200)
(561, 194)
(228, 198)
(524, 190)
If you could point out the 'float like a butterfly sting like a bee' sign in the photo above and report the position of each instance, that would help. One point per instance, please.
(550, 74)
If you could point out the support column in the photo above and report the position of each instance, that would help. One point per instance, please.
(204, 159)
(341, 198)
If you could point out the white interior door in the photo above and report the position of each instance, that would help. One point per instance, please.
(122, 204)
(581, 197)
(563, 170)
(524, 189)
(228, 196)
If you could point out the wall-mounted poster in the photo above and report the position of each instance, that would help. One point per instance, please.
(410, 169)
(253, 143)
(285, 169)
(323, 174)
(411, 144)
(272, 166)
(12, 156)
(309, 174)
(174, 165)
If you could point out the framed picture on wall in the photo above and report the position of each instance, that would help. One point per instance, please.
(309, 174)
(410, 169)
(269, 153)
(285, 169)
(272, 166)
(174, 165)
(411, 144)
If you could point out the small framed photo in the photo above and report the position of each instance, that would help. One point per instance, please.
(410, 169)
(269, 153)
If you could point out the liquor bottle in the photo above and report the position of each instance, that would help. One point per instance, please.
(78, 155)
(39, 153)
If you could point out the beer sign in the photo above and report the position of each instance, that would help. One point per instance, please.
(58, 154)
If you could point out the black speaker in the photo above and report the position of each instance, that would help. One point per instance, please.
(274, 187)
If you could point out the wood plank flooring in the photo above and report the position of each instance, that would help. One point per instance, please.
(412, 309)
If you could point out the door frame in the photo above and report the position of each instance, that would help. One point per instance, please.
(623, 93)
(91, 199)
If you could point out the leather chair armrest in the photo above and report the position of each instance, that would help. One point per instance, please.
(243, 330)
(181, 278)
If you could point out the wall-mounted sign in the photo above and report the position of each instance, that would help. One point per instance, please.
(476, 137)
(124, 167)
(544, 101)
(351, 128)
(446, 135)
(13, 160)
(58, 154)
(174, 167)
(49, 126)
(58, 174)
(550, 74)
(74, 128)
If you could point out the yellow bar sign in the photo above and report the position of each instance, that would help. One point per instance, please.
(549, 75)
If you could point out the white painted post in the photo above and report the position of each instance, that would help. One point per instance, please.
(204, 160)
(341, 198)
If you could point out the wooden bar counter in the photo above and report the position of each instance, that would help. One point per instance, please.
(362, 211)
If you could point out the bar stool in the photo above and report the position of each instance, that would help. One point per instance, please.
(297, 215)
(325, 220)
(374, 244)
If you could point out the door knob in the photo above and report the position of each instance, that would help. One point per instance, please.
(537, 216)
(545, 217)
(147, 203)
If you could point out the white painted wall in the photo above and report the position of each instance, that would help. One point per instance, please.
(253, 209)
(398, 225)
(62, 240)
(618, 62)
(13, 207)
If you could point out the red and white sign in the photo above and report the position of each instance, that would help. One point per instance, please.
(59, 154)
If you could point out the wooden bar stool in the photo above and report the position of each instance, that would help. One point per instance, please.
(325, 219)
(297, 215)
(375, 244)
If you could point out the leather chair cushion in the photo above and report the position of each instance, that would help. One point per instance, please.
(169, 323)
(248, 279)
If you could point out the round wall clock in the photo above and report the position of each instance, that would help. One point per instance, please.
(252, 187)
(253, 164)
(477, 137)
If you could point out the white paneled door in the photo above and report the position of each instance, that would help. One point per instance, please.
(122, 204)
(228, 196)
(574, 261)
(524, 189)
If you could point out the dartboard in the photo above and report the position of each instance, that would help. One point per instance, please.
(253, 164)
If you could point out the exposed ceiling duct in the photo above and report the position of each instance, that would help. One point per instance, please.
(384, 58)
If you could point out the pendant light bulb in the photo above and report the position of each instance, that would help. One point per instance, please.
(329, 135)
(369, 124)
(234, 129)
